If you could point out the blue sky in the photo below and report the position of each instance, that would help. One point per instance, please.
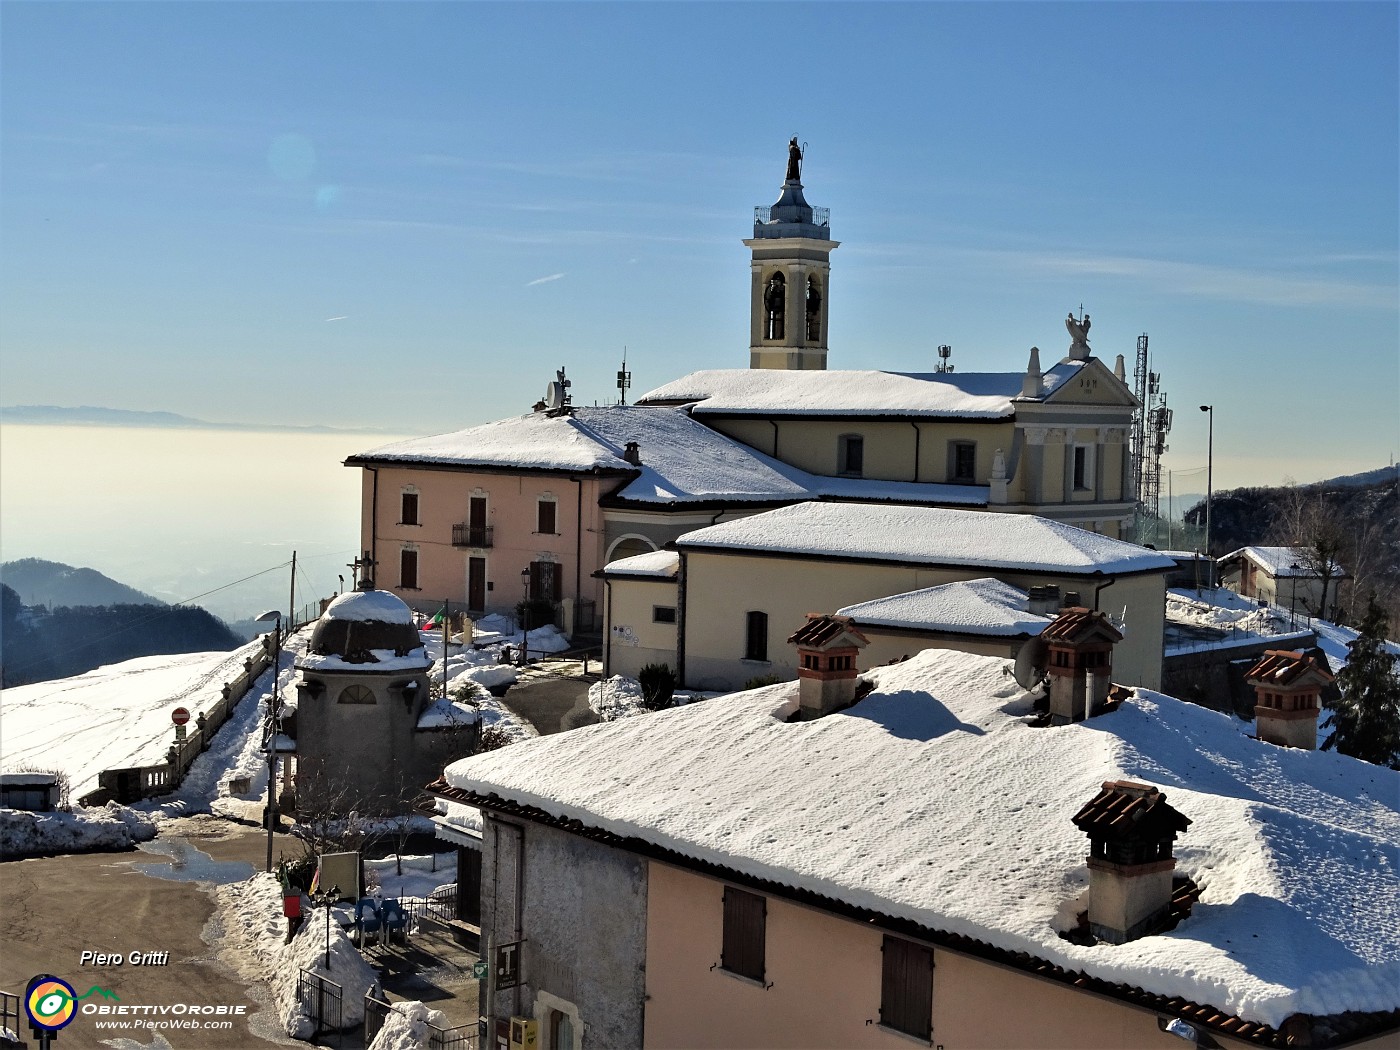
(408, 215)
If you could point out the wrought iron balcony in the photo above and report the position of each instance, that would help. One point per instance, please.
(471, 535)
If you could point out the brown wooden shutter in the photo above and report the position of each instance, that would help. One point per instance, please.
(409, 510)
(546, 516)
(906, 987)
(408, 570)
(745, 922)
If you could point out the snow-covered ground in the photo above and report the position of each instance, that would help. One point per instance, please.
(1245, 622)
(420, 875)
(114, 717)
(110, 827)
(406, 1027)
(621, 697)
(252, 942)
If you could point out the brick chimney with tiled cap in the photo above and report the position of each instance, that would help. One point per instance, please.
(1288, 698)
(1131, 829)
(827, 647)
(1079, 658)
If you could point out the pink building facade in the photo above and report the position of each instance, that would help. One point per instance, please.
(484, 541)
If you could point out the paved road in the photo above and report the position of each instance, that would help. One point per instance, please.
(54, 908)
(552, 703)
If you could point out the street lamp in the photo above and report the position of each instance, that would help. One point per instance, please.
(274, 712)
(1209, 410)
(325, 899)
(525, 616)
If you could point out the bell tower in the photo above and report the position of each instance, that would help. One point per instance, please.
(791, 266)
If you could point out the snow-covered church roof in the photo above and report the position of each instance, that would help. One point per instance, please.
(933, 801)
(927, 536)
(680, 459)
(848, 392)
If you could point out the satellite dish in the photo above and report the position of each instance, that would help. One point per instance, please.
(554, 397)
(1031, 663)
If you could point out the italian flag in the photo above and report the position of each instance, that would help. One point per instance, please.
(436, 621)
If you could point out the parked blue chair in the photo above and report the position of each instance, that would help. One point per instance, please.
(395, 921)
(367, 920)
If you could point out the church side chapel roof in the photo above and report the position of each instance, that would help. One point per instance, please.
(775, 392)
(682, 461)
(931, 806)
(984, 606)
(927, 536)
(661, 565)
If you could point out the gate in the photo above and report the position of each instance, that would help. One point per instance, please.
(321, 999)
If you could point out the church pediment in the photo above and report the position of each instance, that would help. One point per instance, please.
(1086, 383)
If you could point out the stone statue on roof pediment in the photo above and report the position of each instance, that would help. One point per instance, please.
(1078, 329)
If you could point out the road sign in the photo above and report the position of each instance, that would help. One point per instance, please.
(180, 715)
(508, 964)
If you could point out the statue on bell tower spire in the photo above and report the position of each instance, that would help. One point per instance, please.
(794, 168)
(791, 269)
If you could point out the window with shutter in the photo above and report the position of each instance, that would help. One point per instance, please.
(906, 988)
(408, 570)
(545, 523)
(408, 512)
(745, 922)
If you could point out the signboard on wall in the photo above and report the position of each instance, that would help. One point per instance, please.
(508, 964)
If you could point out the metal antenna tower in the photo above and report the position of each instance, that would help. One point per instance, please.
(944, 352)
(1151, 423)
(1137, 441)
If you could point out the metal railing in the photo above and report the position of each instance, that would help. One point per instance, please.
(322, 1001)
(763, 213)
(462, 1037)
(472, 535)
(9, 1013)
(440, 906)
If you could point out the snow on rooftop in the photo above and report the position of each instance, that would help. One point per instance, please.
(1282, 561)
(663, 564)
(682, 461)
(535, 440)
(761, 391)
(377, 606)
(985, 606)
(927, 535)
(931, 800)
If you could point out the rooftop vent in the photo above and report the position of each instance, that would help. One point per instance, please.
(827, 647)
(1079, 656)
(1131, 829)
(1288, 698)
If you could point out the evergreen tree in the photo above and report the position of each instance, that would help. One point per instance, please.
(1366, 717)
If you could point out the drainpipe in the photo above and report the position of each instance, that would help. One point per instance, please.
(1102, 587)
(774, 424)
(374, 521)
(917, 435)
(680, 622)
(578, 549)
(607, 635)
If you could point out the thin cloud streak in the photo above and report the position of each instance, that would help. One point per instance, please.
(340, 318)
(543, 280)
(1228, 283)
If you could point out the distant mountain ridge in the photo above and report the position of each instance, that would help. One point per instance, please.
(93, 416)
(51, 583)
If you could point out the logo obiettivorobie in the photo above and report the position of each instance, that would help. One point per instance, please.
(51, 1002)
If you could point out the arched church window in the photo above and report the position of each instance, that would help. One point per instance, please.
(814, 310)
(774, 305)
(357, 694)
